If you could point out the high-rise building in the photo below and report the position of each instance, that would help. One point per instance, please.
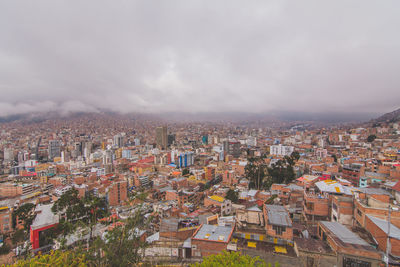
(54, 149)
(171, 139)
(232, 148)
(117, 193)
(119, 140)
(185, 159)
(87, 150)
(162, 137)
(137, 142)
(251, 141)
(8, 155)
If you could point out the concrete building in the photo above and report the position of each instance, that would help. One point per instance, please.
(342, 210)
(232, 148)
(39, 232)
(8, 155)
(162, 137)
(119, 140)
(217, 201)
(280, 150)
(54, 149)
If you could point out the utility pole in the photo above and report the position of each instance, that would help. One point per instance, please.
(388, 238)
(258, 177)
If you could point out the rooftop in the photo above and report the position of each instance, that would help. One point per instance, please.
(343, 233)
(213, 233)
(383, 225)
(217, 198)
(375, 191)
(332, 186)
(44, 217)
(277, 215)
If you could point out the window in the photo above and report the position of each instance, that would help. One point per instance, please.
(279, 229)
(310, 205)
(349, 262)
(359, 212)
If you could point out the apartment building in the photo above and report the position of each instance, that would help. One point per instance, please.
(278, 224)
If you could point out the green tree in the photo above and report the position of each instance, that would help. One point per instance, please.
(232, 195)
(256, 171)
(18, 236)
(371, 138)
(25, 212)
(122, 245)
(95, 208)
(282, 171)
(75, 211)
(232, 259)
(5, 249)
(55, 258)
(71, 209)
(185, 172)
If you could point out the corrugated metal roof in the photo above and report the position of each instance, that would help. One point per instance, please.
(169, 225)
(344, 234)
(154, 237)
(213, 233)
(277, 215)
(254, 208)
(294, 187)
(331, 186)
(375, 191)
(252, 192)
(217, 198)
(383, 225)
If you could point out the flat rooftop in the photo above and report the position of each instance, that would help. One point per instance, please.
(213, 233)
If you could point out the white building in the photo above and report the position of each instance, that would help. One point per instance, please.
(251, 141)
(281, 150)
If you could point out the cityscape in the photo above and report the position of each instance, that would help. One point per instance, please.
(199, 133)
(288, 193)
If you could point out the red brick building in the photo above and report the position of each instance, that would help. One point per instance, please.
(342, 209)
(211, 239)
(315, 207)
(350, 249)
(379, 230)
(117, 193)
(5, 220)
(278, 224)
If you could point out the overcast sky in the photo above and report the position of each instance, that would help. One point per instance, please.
(156, 56)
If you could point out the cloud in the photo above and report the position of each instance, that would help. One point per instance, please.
(199, 56)
(63, 108)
